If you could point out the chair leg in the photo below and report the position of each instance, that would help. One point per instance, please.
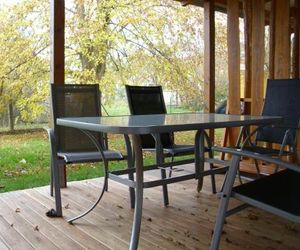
(213, 179)
(257, 168)
(165, 188)
(223, 205)
(57, 212)
(239, 176)
(131, 163)
(171, 168)
(106, 186)
(51, 180)
(159, 160)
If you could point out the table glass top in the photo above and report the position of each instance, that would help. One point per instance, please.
(145, 124)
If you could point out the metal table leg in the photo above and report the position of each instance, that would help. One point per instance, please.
(137, 219)
(224, 202)
(160, 160)
(199, 157)
(58, 206)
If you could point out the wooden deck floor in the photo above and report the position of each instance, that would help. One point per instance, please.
(186, 224)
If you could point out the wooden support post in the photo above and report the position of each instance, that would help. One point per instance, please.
(296, 54)
(257, 52)
(296, 41)
(57, 64)
(272, 41)
(298, 13)
(247, 8)
(282, 56)
(209, 59)
(233, 38)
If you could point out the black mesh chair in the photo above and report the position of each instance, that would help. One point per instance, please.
(282, 99)
(144, 100)
(277, 193)
(68, 145)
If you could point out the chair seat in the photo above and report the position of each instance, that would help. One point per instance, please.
(277, 192)
(178, 149)
(91, 156)
(181, 149)
(265, 151)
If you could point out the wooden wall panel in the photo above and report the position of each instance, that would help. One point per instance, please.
(257, 52)
(209, 58)
(282, 55)
(57, 33)
(233, 39)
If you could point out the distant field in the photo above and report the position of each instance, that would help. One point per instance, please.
(120, 107)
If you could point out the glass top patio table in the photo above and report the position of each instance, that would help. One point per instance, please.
(136, 125)
(159, 123)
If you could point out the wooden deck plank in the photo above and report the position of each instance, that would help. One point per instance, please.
(3, 245)
(116, 202)
(12, 237)
(162, 219)
(76, 233)
(111, 231)
(116, 221)
(28, 230)
(18, 199)
(186, 224)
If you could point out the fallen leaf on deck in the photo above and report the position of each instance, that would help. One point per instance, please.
(228, 240)
(252, 217)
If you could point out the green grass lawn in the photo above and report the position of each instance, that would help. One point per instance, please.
(121, 108)
(25, 160)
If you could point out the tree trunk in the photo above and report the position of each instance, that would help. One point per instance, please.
(11, 117)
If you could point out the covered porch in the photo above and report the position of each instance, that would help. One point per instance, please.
(189, 220)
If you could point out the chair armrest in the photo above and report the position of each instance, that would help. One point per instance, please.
(52, 141)
(244, 153)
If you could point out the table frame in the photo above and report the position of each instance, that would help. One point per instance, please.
(151, 124)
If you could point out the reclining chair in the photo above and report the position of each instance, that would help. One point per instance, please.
(277, 193)
(282, 99)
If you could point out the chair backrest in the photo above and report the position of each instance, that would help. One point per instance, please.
(144, 100)
(75, 100)
(282, 99)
